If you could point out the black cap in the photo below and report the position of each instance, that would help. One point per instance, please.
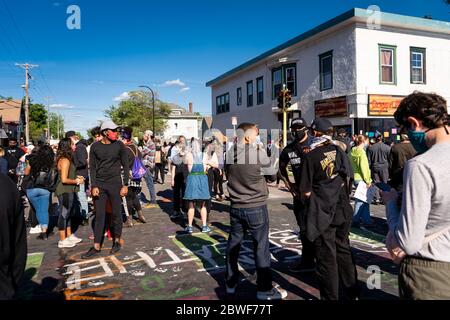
(298, 123)
(321, 125)
(70, 134)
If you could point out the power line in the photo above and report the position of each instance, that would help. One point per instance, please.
(25, 43)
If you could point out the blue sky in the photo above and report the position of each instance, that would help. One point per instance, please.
(173, 46)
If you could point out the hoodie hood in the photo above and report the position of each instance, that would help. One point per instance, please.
(357, 153)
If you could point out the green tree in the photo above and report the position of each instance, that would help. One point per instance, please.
(137, 113)
(54, 126)
(38, 122)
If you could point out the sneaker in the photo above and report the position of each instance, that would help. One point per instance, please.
(66, 243)
(219, 198)
(115, 248)
(206, 229)
(92, 252)
(273, 294)
(42, 236)
(189, 229)
(151, 206)
(230, 290)
(303, 268)
(36, 230)
(141, 217)
(175, 214)
(73, 238)
(128, 223)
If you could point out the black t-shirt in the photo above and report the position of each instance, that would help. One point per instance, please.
(293, 154)
(13, 155)
(106, 162)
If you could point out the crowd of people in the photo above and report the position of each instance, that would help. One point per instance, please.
(101, 181)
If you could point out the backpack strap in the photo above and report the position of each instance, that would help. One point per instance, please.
(134, 153)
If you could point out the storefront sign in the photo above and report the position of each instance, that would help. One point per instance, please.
(335, 107)
(381, 105)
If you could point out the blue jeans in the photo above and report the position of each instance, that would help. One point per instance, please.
(150, 185)
(255, 220)
(82, 199)
(362, 210)
(40, 199)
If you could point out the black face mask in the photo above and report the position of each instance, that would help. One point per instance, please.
(299, 135)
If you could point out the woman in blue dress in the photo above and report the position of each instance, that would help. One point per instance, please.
(197, 190)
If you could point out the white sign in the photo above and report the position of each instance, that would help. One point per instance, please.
(365, 194)
(234, 121)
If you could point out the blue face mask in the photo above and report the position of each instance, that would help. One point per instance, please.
(417, 139)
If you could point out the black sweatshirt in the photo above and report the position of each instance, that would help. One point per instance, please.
(80, 159)
(13, 242)
(106, 162)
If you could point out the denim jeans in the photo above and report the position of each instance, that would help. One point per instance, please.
(362, 210)
(150, 185)
(82, 199)
(255, 220)
(40, 199)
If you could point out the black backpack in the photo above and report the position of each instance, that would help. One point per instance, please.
(46, 179)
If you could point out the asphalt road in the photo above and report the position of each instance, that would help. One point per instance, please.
(159, 261)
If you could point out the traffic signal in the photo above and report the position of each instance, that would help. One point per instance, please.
(287, 99)
(281, 99)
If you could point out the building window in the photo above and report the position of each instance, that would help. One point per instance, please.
(239, 96)
(286, 75)
(223, 103)
(418, 65)
(259, 91)
(326, 70)
(250, 94)
(387, 64)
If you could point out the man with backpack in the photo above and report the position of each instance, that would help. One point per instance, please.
(137, 170)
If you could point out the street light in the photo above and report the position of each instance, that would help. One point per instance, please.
(153, 102)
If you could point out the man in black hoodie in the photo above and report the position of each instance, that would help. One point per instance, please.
(325, 187)
(13, 154)
(13, 242)
(80, 159)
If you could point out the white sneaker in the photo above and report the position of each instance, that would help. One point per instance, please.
(36, 230)
(274, 294)
(73, 238)
(66, 243)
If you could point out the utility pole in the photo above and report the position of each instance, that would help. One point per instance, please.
(27, 68)
(49, 135)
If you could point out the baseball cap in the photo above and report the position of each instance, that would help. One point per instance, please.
(108, 125)
(70, 134)
(321, 125)
(298, 123)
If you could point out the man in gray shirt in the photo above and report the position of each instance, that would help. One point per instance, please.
(422, 227)
(248, 193)
(378, 155)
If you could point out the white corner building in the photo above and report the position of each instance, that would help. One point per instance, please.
(353, 69)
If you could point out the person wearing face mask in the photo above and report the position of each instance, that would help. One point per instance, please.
(293, 154)
(106, 160)
(248, 194)
(419, 234)
(325, 188)
(361, 169)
